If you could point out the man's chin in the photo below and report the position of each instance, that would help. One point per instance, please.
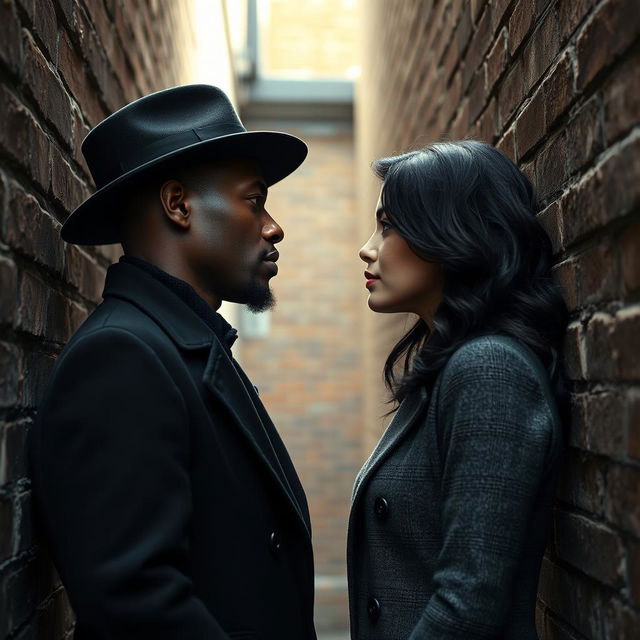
(259, 298)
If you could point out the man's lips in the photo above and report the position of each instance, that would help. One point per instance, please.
(270, 262)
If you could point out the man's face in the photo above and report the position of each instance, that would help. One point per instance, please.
(232, 237)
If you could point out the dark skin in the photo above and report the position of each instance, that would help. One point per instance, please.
(208, 226)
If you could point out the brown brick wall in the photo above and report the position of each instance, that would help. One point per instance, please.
(309, 367)
(556, 85)
(64, 66)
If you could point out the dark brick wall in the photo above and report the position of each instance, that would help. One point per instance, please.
(64, 66)
(556, 85)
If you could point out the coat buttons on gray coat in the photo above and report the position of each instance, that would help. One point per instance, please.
(275, 544)
(381, 508)
(373, 609)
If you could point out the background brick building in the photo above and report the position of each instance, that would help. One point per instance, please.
(556, 85)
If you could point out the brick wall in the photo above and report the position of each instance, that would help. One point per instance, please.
(308, 366)
(556, 85)
(64, 66)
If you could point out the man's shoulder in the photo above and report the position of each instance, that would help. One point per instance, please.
(116, 321)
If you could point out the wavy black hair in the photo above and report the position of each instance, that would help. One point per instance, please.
(467, 206)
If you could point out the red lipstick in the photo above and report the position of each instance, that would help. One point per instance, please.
(371, 279)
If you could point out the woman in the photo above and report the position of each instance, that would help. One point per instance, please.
(450, 513)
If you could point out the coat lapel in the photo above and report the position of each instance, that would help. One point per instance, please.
(222, 379)
(403, 419)
(129, 282)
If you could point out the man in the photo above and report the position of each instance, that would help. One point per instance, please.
(168, 499)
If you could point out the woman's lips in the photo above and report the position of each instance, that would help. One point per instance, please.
(371, 279)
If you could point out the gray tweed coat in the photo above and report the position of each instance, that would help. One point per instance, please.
(450, 513)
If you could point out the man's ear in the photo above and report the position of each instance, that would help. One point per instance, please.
(173, 197)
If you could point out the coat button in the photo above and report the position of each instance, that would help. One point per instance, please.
(373, 609)
(275, 543)
(381, 508)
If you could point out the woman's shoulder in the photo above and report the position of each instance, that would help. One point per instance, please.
(495, 356)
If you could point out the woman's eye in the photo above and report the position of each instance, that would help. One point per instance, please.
(386, 225)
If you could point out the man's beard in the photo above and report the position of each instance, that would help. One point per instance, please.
(258, 297)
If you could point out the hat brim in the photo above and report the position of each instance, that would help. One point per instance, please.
(278, 154)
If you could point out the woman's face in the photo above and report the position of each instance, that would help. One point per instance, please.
(397, 279)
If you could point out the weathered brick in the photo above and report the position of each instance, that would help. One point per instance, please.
(605, 193)
(551, 167)
(599, 347)
(597, 278)
(633, 561)
(557, 89)
(47, 90)
(497, 59)
(45, 27)
(621, 621)
(585, 138)
(37, 368)
(477, 95)
(19, 597)
(31, 231)
(541, 50)
(626, 343)
(487, 125)
(84, 273)
(581, 482)
(94, 54)
(8, 290)
(530, 124)
(510, 93)
(600, 423)
(11, 53)
(66, 187)
(632, 420)
(591, 547)
(9, 374)
(573, 598)
(574, 352)
(521, 21)
(73, 69)
(608, 32)
(570, 15)
(13, 440)
(23, 139)
(622, 99)
(507, 144)
(477, 47)
(550, 220)
(54, 317)
(565, 275)
(622, 497)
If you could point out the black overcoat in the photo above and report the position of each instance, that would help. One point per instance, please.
(170, 504)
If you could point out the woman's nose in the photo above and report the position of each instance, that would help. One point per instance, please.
(368, 252)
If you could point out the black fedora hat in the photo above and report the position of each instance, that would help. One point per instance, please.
(183, 123)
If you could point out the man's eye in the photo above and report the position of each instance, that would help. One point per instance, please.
(255, 200)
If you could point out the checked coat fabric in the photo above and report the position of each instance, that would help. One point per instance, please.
(170, 505)
(450, 514)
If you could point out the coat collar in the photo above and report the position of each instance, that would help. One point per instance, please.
(189, 331)
(181, 322)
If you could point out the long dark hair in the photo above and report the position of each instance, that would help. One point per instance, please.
(467, 206)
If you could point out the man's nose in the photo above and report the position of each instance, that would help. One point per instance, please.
(271, 230)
